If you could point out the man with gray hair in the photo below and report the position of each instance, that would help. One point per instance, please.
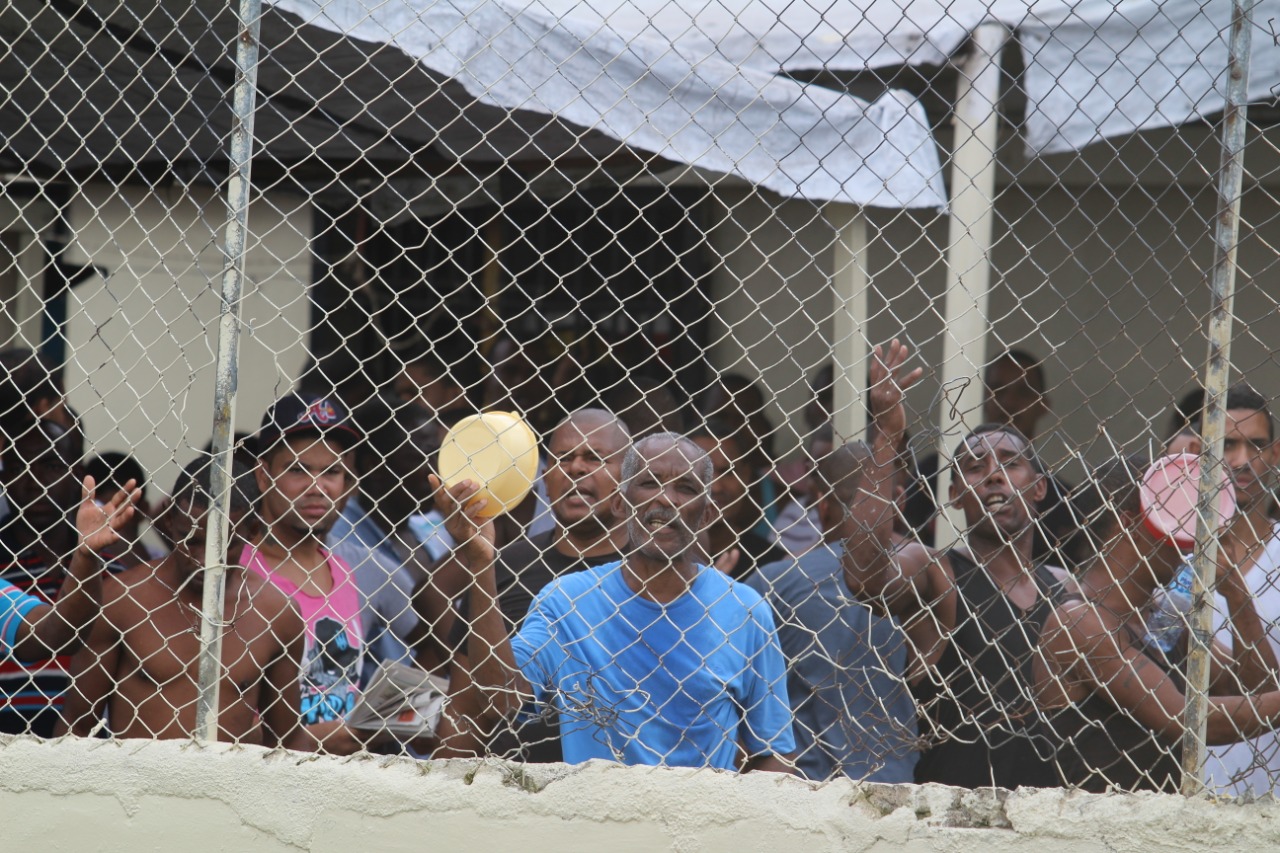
(652, 659)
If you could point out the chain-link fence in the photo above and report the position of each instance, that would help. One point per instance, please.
(891, 383)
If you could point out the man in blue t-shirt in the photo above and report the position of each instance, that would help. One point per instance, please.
(650, 660)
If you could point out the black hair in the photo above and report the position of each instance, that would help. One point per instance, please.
(1188, 413)
(722, 430)
(1028, 363)
(1112, 488)
(1028, 449)
(387, 425)
(194, 485)
(111, 470)
(842, 470)
(639, 396)
(26, 378)
(454, 357)
(1242, 396)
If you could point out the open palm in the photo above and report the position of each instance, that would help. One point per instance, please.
(99, 526)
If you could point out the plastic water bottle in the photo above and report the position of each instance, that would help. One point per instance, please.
(1167, 621)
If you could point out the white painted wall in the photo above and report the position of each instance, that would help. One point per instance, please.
(1104, 281)
(102, 796)
(142, 341)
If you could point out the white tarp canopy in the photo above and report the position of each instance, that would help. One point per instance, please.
(128, 85)
(1095, 68)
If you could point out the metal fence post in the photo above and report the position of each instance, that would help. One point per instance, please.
(244, 101)
(1216, 378)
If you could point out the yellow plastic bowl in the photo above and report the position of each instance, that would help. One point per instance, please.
(499, 451)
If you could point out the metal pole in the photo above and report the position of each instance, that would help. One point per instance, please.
(973, 196)
(1217, 369)
(244, 101)
(849, 347)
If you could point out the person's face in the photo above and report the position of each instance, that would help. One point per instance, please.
(439, 394)
(584, 467)
(399, 483)
(728, 491)
(517, 378)
(39, 476)
(668, 504)
(1012, 398)
(188, 530)
(1185, 442)
(304, 484)
(996, 486)
(1250, 454)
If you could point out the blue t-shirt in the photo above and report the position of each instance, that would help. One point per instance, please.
(680, 684)
(14, 606)
(846, 673)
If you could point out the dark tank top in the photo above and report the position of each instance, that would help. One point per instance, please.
(1096, 745)
(976, 703)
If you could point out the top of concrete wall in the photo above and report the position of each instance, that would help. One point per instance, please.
(133, 795)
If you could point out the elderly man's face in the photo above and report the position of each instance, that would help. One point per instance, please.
(667, 500)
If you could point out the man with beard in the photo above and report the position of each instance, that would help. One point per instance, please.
(304, 474)
(652, 659)
(973, 614)
(141, 663)
(1250, 543)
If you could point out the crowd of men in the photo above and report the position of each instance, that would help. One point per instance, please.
(662, 599)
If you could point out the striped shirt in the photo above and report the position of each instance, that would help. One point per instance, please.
(14, 607)
(28, 689)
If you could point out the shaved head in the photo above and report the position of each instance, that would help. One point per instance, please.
(600, 423)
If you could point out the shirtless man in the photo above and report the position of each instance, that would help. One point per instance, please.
(141, 663)
(973, 614)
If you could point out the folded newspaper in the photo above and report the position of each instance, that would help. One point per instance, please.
(400, 699)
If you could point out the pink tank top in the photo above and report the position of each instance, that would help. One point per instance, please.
(329, 681)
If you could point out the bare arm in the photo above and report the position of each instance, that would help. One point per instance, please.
(94, 671)
(493, 665)
(1078, 641)
(1251, 666)
(60, 629)
(894, 582)
(278, 700)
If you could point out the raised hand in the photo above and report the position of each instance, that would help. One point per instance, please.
(889, 383)
(99, 526)
(461, 510)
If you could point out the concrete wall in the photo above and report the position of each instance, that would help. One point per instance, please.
(1099, 272)
(142, 341)
(130, 796)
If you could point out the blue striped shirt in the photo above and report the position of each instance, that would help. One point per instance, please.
(14, 607)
